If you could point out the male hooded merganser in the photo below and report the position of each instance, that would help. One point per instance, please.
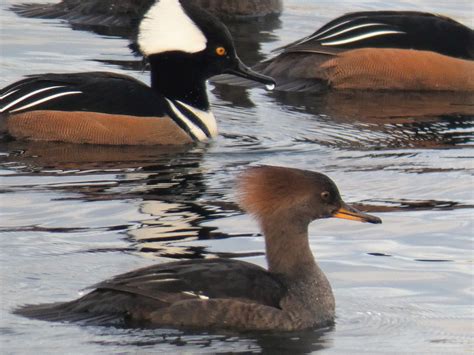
(379, 50)
(184, 46)
(292, 294)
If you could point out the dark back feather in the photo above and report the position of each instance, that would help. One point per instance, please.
(129, 298)
(390, 29)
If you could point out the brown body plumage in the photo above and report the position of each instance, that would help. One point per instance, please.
(379, 50)
(95, 128)
(378, 69)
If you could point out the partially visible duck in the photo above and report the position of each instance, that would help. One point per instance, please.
(379, 50)
(184, 46)
(125, 13)
(292, 294)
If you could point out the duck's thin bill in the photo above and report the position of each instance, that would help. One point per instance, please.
(348, 212)
(240, 69)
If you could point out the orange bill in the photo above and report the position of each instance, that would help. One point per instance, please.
(348, 212)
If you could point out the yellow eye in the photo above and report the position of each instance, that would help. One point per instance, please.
(220, 51)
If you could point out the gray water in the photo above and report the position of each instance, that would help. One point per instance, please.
(75, 215)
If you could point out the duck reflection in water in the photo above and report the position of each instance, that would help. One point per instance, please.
(384, 119)
(168, 182)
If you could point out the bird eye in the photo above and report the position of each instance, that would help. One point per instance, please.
(220, 51)
(325, 195)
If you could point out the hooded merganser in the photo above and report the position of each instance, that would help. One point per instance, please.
(184, 46)
(123, 13)
(292, 294)
(379, 50)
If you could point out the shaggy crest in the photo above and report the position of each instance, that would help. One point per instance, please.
(264, 190)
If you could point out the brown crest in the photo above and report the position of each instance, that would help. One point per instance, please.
(264, 190)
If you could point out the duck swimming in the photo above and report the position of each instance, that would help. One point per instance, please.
(184, 46)
(292, 294)
(378, 50)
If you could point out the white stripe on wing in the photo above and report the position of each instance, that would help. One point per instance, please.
(361, 37)
(20, 99)
(351, 29)
(328, 29)
(8, 94)
(46, 99)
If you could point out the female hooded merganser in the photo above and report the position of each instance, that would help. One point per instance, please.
(292, 294)
(379, 50)
(184, 46)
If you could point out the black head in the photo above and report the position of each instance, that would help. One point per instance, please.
(179, 30)
(271, 192)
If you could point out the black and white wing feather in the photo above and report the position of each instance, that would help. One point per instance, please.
(91, 92)
(389, 29)
(31, 93)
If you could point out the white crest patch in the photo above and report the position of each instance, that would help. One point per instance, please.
(166, 27)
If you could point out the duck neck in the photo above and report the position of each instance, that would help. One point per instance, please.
(178, 76)
(287, 249)
(309, 297)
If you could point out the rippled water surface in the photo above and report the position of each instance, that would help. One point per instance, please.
(75, 215)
